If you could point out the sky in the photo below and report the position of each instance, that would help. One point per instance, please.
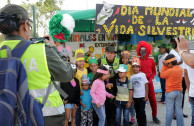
(91, 4)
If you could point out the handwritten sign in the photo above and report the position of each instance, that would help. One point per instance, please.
(122, 19)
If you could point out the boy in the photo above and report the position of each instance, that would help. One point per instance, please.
(140, 91)
(93, 65)
(124, 95)
(173, 75)
(86, 103)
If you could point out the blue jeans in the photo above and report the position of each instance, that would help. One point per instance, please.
(121, 106)
(163, 83)
(192, 107)
(174, 102)
(132, 111)
(101, 114)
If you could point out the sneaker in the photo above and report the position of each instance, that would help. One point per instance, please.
(156, 120)
(185, 116)
(132, 121)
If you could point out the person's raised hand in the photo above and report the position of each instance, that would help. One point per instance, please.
(98, 105)
(50, 41)
(182, 43)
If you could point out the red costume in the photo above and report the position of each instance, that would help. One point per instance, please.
(148, 67)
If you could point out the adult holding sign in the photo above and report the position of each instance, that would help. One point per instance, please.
(148, 67)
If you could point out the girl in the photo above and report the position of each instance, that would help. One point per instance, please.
(80, 61)
(98, 93)
(125, 56)
(73, 90)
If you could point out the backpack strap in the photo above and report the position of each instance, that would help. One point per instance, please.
(8, 50)
(65, 95)
(20, 48)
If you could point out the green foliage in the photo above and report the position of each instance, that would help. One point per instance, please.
(45, 10)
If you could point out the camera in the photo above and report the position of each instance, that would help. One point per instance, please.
(39, 39)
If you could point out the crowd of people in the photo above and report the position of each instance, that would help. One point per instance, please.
(110, 87)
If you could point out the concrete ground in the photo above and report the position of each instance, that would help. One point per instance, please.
(162, 113)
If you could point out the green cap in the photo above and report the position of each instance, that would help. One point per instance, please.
(92, 60)
(15, 9)
(123, 68)
(163, 45)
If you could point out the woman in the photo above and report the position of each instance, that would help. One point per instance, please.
(40, 60)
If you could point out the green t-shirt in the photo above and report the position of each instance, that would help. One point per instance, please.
(91, 76)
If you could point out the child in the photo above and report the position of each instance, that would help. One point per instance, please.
(73, 100)
(93, 65)
(86, 103)
(160, 59)
(124, 96)
(140, 91)
(173, 75)
(99, 94)
(79, 55)
(125, 56)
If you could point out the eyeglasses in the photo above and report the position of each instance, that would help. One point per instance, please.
(28, 22)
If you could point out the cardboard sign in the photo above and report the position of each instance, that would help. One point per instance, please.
(122, 19)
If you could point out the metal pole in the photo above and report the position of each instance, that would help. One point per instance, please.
(34, 20)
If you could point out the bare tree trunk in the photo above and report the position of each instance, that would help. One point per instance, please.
(8, 1)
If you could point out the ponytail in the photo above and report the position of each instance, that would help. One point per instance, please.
(9, 23)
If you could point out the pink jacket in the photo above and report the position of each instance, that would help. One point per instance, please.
(98, 92)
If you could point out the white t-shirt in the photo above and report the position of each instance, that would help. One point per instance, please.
(190, 72)
(161, 58)
(138, 81)
(178, 57)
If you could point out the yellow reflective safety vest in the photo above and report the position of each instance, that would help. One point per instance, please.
(39, 77)
(115, 65)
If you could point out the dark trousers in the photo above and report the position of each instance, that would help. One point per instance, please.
(110, 109)
(140, 111)
(184, 89)
(95, 118)
(163, 87)
(78, 116)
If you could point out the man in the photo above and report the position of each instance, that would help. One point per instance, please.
(180, 63)
(113, 62)
(42, 62)
(110, 59)
(189, 72)
(160, 59)
(148, 67)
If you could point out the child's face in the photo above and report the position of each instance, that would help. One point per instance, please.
(104, 76)
(135, 68)
(125, 60)
(93, 67)
(85, 86)
(162, 50)
(122, 74)
(80, 63)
